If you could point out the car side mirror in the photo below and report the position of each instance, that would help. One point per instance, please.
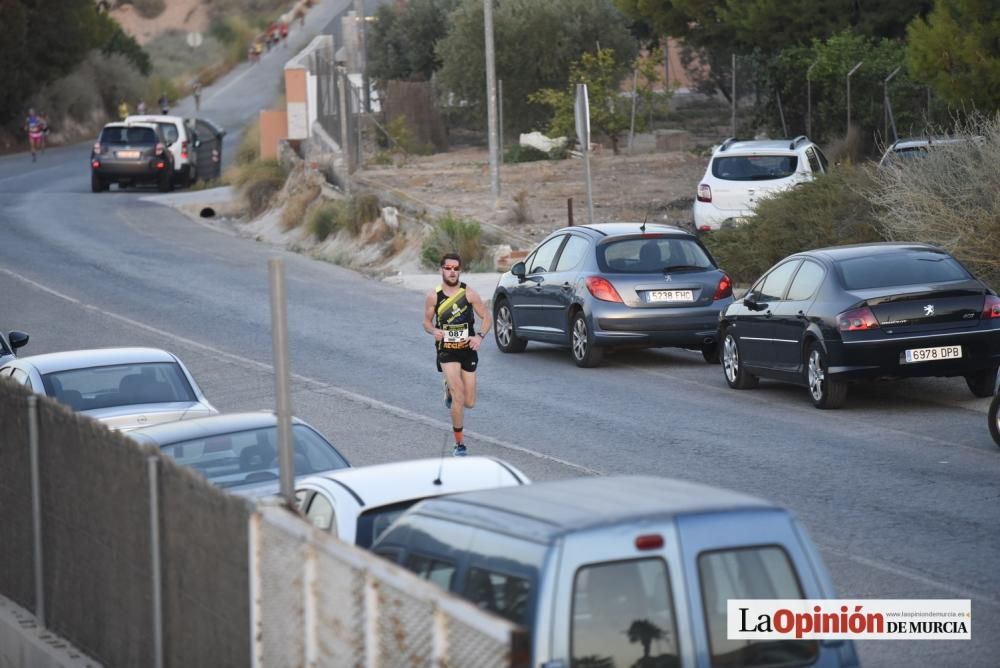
(753, 305)
(17, 339)
(197, 143)
(519, 270)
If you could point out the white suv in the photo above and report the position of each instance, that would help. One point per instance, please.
(741, 172)
(180, 138)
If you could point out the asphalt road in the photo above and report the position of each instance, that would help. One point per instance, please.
(899, 489)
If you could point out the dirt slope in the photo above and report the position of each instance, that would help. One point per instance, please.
(186, 15)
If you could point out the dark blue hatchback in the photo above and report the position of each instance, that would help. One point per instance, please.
(613, 284)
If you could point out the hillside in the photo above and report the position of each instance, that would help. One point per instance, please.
(185, 15)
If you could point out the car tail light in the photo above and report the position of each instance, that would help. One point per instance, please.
(991, 308)
(95, 163)
(705, 228)
(184, 150)
(160, 164)
(704, 192)
(725, 288)
(857, 320)
(649, 541)
(160, 149)
(602, 289)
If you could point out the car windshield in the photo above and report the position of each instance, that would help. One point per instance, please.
(754, 167)
(373, 522)
(119, 385)
(908, 268)
(169, 132)
(122, 136)
(251, 457)
(642, 255)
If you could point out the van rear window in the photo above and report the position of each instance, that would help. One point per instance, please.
(623, 615)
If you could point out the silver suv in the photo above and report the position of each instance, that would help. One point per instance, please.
(741, 172)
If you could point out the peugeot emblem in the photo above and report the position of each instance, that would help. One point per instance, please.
(668, 278)
(929, 309)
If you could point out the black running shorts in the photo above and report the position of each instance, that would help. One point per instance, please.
(467, 357)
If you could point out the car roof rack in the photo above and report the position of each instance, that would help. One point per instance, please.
(726, 143)
(795, 142)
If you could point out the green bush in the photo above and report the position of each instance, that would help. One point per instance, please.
(322, 220)
(258, 182)
(830, 211)
(521, 153)
(149, 8)
(454, 235)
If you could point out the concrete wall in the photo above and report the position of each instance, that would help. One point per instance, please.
(24, 644)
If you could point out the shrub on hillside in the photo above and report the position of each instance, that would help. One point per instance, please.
(521, 153)
(829, 211)
(174, 60)
(454, 235)
(149, 8)
(258, 183)
(99, 83)
(949, 197)
(322, 220)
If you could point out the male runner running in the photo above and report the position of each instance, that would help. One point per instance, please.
(450, 316)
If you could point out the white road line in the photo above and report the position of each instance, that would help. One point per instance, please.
(317, 384)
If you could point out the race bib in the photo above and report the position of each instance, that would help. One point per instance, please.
(456, 336)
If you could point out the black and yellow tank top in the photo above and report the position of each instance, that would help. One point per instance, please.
(455, 316)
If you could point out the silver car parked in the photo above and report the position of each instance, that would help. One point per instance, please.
(613, 284)
(124, 388)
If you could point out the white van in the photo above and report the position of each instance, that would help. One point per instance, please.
(181, 139)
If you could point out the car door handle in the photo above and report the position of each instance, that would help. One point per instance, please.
(767, 313)
(567, 286)
(801, 315)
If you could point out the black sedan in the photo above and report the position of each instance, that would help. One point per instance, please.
(613, 284)
(10, 343)
(825, 317)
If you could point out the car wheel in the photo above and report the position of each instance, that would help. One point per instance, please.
(825, 392)
(97, 184)
(165, 184)
(581, 339)
(994, 419)
(710, 352)
(503, 329)
(732, 365)
(982, 384)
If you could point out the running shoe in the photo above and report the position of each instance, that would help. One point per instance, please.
(459, 450)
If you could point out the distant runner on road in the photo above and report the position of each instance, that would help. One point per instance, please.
(450, 317)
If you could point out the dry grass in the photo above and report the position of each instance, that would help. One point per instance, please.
(258, 183)
(299, 201)
(949, 198)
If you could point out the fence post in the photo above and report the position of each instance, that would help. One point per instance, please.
(36, 508)
(849, 75)
(809, 99)
(569, 210)
(154, 549)
(889, 120)
(372, 654)
(345, 135)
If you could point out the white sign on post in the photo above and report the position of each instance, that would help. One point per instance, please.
(194, 39)
(581, 110)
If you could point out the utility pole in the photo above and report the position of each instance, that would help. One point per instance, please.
(809, 99)
(491, 100)
(849, 75)
(732, 122)
(359, 13)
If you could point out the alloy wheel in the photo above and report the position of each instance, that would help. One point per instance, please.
(816, 375)
(731, 359)
(579, 339)
(504, 325)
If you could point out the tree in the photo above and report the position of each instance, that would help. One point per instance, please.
(536, 43)
(403, 39)
(956, 50)
(602, 75)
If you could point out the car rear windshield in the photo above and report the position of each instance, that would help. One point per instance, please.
(373, 522)
(754, 167)
(249, 457)
(908, 268)
(119, 385)
(642, 255)
(122, 136)
(169, 132)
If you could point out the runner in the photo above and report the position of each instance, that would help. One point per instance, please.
(36, 132)
(450, 316)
